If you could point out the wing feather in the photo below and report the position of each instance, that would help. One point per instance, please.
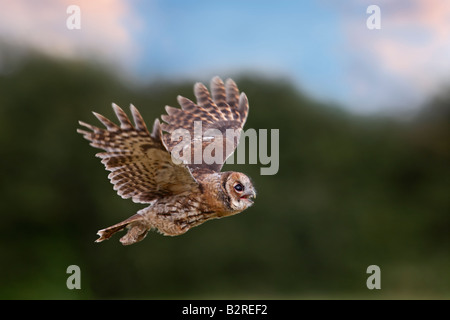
(220, 99)
(140, 166)
(221, 110)
(232, 92)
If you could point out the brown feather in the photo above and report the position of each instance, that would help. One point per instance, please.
(141, 167)
(225, 110)
(180, 196)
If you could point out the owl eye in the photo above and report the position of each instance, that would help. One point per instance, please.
(239, 187)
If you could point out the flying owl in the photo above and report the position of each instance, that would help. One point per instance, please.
(144, 167)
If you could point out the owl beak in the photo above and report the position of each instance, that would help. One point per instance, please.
(249, 195)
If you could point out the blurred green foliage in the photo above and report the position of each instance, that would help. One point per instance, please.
(351, 191)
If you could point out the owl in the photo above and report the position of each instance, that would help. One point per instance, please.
(162, 169)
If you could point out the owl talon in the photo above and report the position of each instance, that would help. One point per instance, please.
(135, 234)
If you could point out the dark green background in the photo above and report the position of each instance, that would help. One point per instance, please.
(351, 191)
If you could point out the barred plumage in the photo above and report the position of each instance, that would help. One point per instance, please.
(181, 196)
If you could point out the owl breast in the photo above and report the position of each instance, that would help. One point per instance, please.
(176, 215)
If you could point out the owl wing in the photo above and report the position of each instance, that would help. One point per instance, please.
(141, 167)
(222, 118)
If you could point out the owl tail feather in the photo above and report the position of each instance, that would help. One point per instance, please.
(137, 230)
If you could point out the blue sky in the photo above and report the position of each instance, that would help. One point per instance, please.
(298, 40)
(324, 47)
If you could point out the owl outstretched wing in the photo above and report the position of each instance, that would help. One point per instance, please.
(141, 167)
(214, 125)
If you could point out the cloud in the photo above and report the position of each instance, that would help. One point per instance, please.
(329, 50)
(405, 61)
(41, 25)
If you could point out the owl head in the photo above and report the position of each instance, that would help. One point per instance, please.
(240, 190)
